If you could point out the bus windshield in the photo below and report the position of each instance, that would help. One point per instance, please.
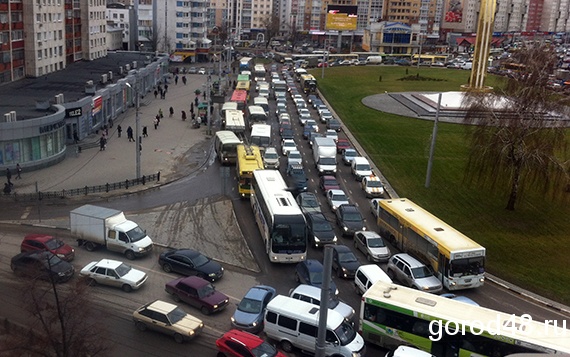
(289, 236)
(345, 333)
(467, 266)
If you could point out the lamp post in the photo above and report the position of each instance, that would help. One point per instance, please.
(137, 129)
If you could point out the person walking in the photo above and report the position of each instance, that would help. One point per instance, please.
(130, 133)
(155, 123)
(9, 177)
(160, 113)
(102, 143)
(144, 132)
(184, 80)
(119, 130)
(155, 93)
(171, 110)
(75, 137)
(191, 107)
(18, 171)
(196, 101)
(176, 79)
(183, 115)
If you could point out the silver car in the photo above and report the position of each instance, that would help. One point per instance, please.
(372, 245)
(410, 272)
(114, 273)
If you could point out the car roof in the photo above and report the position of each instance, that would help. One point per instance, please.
(411, 261)
(312, 265)
(258, 292)
(108, 263)
(335, 191)
(369, 234)
(193, 281)
(270, 149)
(161, 306)
(304, 194)
(341, 248)
(186, 252)
(348, 207)
(308, 290)
(360, 160)
(38, 237)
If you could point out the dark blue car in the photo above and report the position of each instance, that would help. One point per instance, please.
(249, 313)
(311, 272)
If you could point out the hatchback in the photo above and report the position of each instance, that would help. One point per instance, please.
(236, 343)
(341, 145)
(287, 146)
(311, 272)
(372, 245)
(328, 182)
(410, 272)
(33, 242)
(348, 155)
(249, 313)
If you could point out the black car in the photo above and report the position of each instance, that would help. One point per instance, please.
(297, 178)
(349, 219)
(311, 272)
(190, 262)
(287, 133)
(43, 265)
(333, 124)
(319, 229)
(344, 262)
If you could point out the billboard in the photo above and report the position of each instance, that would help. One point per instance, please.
(341, 17)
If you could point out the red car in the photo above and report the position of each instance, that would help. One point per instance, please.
(197, 292)
(328, 182)
(35, 242)
(342, 144)
(235, 343)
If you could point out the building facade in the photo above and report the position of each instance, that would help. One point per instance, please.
(12, 52)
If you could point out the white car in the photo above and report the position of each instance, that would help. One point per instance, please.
(202, 70)
(335, 198)
(331, 134)
(114, 273)
(287, 146)
(304, 117)
(294, 157)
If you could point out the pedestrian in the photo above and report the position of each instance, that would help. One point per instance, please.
(155, 123)
(102, 143)
(193, 117)
(7, 188)
(235, 84)
(171, 110)
(165, 88)
(160, 113)
(145, 132)
(155, 93)
(211, 109)
(183, 115)
(110, 123)
(75, 137)
(18, 171)
(191, 107)
(9, 177)
(176, 79)
(161, 92)
(184, 80)
(130, 133)
(157, 119)
(119, 130)
(196, 101)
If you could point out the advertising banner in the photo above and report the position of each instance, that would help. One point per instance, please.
(341, 17)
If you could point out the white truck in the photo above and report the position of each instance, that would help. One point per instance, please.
(324, 153)
(96, 226)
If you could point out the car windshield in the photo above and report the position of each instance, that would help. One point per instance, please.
(54, 244)
(136, 234)
(349, 153)
(271, 155)
(327, 161)
(310, 201)
(123, 269)
(289, 145)
(206, 291)
(322, 226)
(374, 184)
(339, 197)
(50, 260)
(264, 350)
(176, 315)
(316, 277)
(250, 306)
(421, 272)
(352, 217)
(376, 243)
(345, 333)
(331, 183)
(200, 260)
(294, 155)
(346, 257)
(363, 167)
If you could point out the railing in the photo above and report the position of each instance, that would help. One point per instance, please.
(84, 191)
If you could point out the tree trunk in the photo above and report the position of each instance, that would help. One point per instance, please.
(514, 186)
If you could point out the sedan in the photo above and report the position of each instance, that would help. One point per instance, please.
(197, 292)
(319, 229)
(190, 262)
(349, 219)
(294, 158)
(114, 273)
(235, 343)
(341, 145)
(331, 134)
(202, 70)
(328, 182)
(372, 245)
(336, 198)
(311, 272)
(34, 242)
(43, 265)
(287, 146)
(169, 319)
(308, 202)
(348, 155)
(249, 313)
(334, 124)
(344, 262)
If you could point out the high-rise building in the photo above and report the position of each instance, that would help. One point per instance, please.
(11, 42)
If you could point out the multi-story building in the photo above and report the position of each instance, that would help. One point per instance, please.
(93, 29)
(11, 41)
(123, 17)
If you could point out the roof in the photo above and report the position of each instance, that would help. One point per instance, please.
(109, 263)
(161, 306)
(38, 237)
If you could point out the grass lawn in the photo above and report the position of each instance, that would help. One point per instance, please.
(529, 247)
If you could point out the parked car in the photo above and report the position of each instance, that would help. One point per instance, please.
(336, 198)
(236, 343)
(35, 242)
(197, 292)
(341, 145)
(312, 294)
(202, 70)
(347, 156)
(372, 245)
(319, 229)
(344, 262)
(410, 272)
(114, 273)
(328, 182)
(193, 70)
(42, 265)
(349, 219)
(169, 319)
(190, 262)
(310, 272)
(287, 146)
(249, 313)
(308, 202)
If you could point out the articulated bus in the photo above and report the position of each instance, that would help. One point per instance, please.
(240, 97)
(225, 144)
(278, 217)
(248, 160)
(458, 261)
(393, 315)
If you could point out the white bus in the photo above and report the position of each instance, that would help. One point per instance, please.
(225, 144)
(393, 315)
(279, 219)
(256, 115)
(260, 135)
(234, 121)
(259, 72)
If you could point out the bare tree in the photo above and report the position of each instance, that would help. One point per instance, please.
(271, 25)
(63, 321)
(518, 142)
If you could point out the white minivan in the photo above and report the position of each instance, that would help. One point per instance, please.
(360, 168)
(294, 323)
(367, 275)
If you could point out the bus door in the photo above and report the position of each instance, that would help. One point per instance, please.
(447, 346)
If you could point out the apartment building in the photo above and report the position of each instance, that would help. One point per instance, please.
(12, 52)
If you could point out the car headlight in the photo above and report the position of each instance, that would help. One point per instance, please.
(191, 333)
(141, 249)
(425, 287)
(61, 273)
(334, 207)
(345, 228)
(317, 239)
(215, 306)
(212, 275)
(254, 324)
(363, 228)
(334, 239)
(232, 319)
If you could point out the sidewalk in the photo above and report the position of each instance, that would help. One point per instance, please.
(172, 149)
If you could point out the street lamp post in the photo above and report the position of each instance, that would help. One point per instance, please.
(137, 129)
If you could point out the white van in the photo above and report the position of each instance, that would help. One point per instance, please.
(294, 323)
(406, 351)
(360, 168)
(374, 60)
(262, 102)
(367, 275)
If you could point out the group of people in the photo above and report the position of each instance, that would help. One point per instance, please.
(160, 90)
(9, 184)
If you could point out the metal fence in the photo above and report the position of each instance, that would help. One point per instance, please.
(84, 191)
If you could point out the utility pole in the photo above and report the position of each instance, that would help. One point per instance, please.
(137, 127)
(432, 146)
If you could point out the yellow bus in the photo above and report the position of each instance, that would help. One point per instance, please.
(248, 160)
(458, 261)
(243, 85)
